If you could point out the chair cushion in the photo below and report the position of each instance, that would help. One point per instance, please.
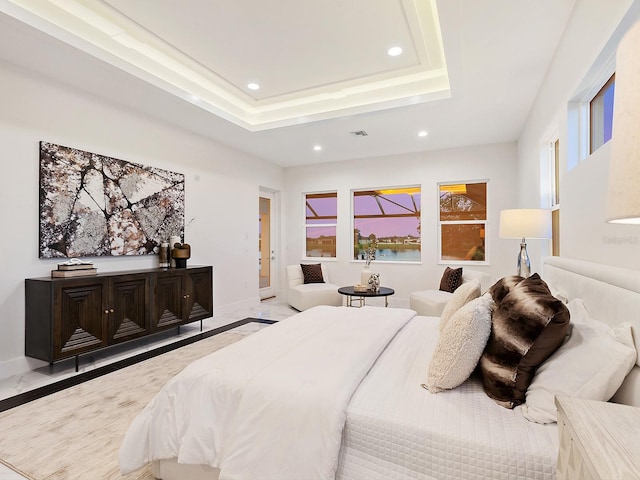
(429, 302)
(451, 279)
(312, 273)
(302, 297)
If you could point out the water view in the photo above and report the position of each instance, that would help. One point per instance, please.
(394, 255)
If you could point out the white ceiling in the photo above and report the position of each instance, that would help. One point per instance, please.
(469, 71)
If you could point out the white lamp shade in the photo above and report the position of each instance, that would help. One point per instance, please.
(624, 168)
(525, 223)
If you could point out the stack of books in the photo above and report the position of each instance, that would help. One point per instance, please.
(74, 268)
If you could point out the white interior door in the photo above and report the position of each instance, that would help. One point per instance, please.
(266, 245)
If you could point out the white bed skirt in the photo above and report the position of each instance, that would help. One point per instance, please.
(171, 470)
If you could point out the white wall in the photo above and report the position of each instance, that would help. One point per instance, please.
(495, 163)
(588, 42)
(221, 192)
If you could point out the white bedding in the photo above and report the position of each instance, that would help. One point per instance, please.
(270, 406)
(396, 429)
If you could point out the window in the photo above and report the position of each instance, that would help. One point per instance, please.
(463, 222)
(601, 115)
(389, 220)
(320, 224)
(555, 173)
(555, 197)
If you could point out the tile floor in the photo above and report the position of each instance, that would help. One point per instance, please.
(271, 309)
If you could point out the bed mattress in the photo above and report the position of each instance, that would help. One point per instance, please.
(396, 429)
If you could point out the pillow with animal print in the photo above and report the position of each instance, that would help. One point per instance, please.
(528, 325)
(500, 289)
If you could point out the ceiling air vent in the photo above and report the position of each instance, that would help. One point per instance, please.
(360, 133)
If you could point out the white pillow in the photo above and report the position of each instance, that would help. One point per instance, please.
(592, 364)
(460, 297)
(558, 293)
(460, 345)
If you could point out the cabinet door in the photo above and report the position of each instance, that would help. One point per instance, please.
(79, 319)
(199, 294)
(167, 300)
(128, 312)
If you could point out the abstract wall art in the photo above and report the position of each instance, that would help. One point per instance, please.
(94, 205)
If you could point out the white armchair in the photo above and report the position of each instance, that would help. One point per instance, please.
(302, 296)
(431, 302)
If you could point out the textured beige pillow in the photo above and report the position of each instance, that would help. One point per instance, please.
(463, 295)
(460, 345)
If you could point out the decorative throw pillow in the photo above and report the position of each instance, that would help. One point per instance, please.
(529, 324)
(312, 273)
(592, 365)
(500, 289)
(460, 345)
(463, 295)
(451, 279)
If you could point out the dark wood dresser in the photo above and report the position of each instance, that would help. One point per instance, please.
(66, 317)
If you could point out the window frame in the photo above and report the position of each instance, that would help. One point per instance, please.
(484, 222)
(305, 225)
(418, 205)
(599, 94)
(578, 146)
(554, 193)
(554, 173)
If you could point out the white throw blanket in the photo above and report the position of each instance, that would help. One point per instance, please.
(271, 406)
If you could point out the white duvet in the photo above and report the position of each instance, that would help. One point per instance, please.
(270, 406)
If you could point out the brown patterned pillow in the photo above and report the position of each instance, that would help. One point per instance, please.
(451, 279)
(528, 325)
(312, 273)
(500, 289)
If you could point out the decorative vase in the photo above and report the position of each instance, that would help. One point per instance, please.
(374, 282)
(163, 255)
(181, 253)
(173, 239)
(364, 275)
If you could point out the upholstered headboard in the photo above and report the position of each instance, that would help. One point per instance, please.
(610, 294)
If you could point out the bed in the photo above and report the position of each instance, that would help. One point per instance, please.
(386, 425)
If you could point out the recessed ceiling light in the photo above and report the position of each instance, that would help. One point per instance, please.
(253, 86)
(394, 51)
(317, 148)
(423, 133)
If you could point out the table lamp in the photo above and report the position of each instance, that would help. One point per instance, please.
(623, 204)
(525, 223)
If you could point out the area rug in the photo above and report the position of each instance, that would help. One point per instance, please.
(76, 434)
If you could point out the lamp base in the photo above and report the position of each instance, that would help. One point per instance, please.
(524, 265)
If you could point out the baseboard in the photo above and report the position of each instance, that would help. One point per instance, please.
(230, 308)
(19, 365)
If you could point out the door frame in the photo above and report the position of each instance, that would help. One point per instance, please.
(272, 195)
